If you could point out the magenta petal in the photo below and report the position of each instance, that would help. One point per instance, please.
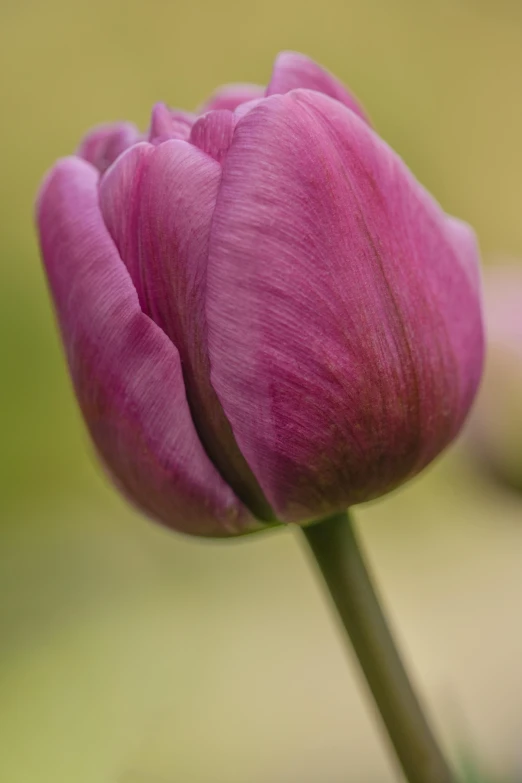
(245, 108)
(213, 133)
(166, 220)
(293, 70)
(169, 124)
(104, 144)
(344, 325)
(464, 242)
(231, 96)
(119, 193)
(126, 371)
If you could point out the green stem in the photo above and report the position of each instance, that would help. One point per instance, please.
(337, 553)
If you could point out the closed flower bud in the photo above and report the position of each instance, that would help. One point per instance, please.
(266, 317)
(495, 431)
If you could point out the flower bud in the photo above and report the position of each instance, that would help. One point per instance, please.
(266, 317)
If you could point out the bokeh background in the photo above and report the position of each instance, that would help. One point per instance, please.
(131, 655)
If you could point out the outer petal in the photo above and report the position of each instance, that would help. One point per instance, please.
(230, 96)
(102, 145)
(345, 331)
(168, 123)
(125, 370)
(293, 70)
(164, 218)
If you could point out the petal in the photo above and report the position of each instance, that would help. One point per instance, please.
(293, 70)
(119, 192)
(102, 145)
(213, 133)
(230, 96)
(245, 108)
(166, 223)
(169, 124)
(125, 370)
(344, 334)
(464, 242)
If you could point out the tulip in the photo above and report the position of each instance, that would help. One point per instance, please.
(495, 431)
(267, 319)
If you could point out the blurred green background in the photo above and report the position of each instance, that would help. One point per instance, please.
(131, 655)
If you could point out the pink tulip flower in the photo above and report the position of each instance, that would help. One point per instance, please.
(266, 318)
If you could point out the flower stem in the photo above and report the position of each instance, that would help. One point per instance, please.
(335, 548)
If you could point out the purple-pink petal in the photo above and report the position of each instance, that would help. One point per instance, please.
(119, 194)
(293, 71)
(102, 145)
(126, 371)
(165, 218)
(344, 326)
(213, 133)
(230, 96)
(168, 124)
